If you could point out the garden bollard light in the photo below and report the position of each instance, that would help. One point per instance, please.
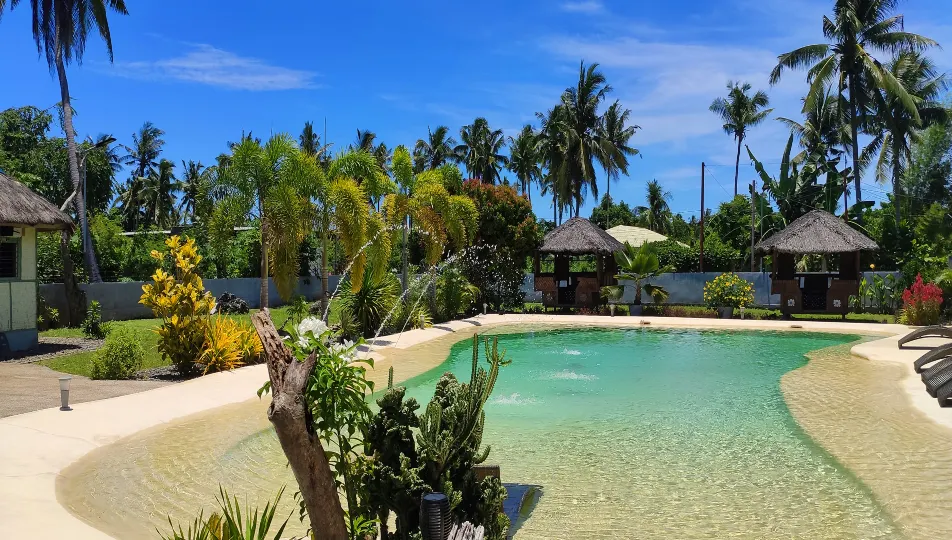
(64, 392)
(741, 313)
(485, 305)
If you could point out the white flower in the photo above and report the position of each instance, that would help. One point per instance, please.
(314, 325)
(344, 349)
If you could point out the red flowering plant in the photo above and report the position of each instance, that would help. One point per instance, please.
(921, 303)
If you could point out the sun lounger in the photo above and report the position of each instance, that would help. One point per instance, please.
(943, 394)
(927, 331)
(932, 356)
(938, 380)
(932, 370)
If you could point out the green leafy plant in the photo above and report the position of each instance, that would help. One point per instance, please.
(728, 290)
(455, 295)
(637, 265)
(370, 304)
(93, 325)
(231, 523)
(120, 357)
(881, 294)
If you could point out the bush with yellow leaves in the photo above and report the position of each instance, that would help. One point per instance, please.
(229, 344)
(181, 301)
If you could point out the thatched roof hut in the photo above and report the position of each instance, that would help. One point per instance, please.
(20, 207)
(578, 236)
(817, 232)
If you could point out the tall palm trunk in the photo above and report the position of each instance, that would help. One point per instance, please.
(92, 266)
(325, 275)
(555, 210)
(263, 299)
(740, 140)
(897, 173)
(854, 127)
(404, 264)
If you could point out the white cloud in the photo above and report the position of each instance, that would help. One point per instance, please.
(589, 6)
(205, 64)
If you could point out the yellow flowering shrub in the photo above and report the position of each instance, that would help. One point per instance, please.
(181, 301)
(728, 290)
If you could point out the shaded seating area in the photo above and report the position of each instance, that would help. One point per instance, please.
(816, 233)
(563, 288)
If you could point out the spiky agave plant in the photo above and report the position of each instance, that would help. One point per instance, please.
(369, 304)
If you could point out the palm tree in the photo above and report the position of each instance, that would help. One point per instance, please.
(615, 134)
(739, 112)
(554, 140)
(310, 144)
(584, 141)
(273, 182)
(192, 186)
(858, 29)
(60, 30)
(437, 149)
(129, 202)
(157, 195)
(524, 159)
(657, 213)
(481, 150)
(146, 148)
(895, 126)
(824, 129)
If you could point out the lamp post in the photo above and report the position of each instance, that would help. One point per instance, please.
(64, 392)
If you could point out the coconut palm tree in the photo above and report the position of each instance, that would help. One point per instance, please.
(615, 134)
(129, 203)
(824, 129)
(554, 139)
(896, 127)
(480, 150)
(857, 30)
(739, 112)
(584, 141)
(437, 149)
(60, 30)
(158, 195)
(524, 159)
(146, 148)
(657, 213)
(310, 144)
(193, 186)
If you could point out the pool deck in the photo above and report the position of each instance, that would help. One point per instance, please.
(36, 447)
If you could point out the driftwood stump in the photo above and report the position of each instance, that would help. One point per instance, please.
(288, 414)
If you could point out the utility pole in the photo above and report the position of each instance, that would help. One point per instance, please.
(753, 187)
(702, 217)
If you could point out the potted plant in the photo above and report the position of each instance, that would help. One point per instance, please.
(727, 292)
(637, 265)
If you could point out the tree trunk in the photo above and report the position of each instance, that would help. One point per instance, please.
(404, 262)
(325, 293)
(854, 127)
(897, 173)
(740, 140)
(79, 202)
(75, 302)
(555, 210)
(263, 298)
(288, 413)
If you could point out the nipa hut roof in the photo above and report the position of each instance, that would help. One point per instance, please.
(19, 206)
(578, 236)
(817, 232)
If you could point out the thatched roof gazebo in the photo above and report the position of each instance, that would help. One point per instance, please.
(22, 213)
(576, 237)
(19, 207)
(817, 232)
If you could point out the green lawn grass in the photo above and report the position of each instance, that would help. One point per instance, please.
(144, 330)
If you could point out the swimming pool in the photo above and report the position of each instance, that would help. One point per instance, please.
(628, 432)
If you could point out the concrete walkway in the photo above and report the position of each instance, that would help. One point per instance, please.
(30, 387)
(36, 447)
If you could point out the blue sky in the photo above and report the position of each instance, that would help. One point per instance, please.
(206, 71)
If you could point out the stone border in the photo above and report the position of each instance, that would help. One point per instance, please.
(36, 447)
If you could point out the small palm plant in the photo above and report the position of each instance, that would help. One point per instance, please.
(637, 265)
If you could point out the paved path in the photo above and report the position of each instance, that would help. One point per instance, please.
(30, 387)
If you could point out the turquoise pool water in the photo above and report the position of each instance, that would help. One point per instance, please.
(673, 434)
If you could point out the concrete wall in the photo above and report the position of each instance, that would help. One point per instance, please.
(18, 294)
(120, 300)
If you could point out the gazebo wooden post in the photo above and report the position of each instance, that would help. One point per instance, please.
(600, 269)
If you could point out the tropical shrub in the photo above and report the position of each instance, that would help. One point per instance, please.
(112, 247)
(881, 294)
(369, 305)
(455, 295)
(921, 303)
(228, 344)
(728, 290)
(718, 257)
(93, 326)
(636, 265)
(497, 273)
(505, 220)
(180, 300)
(46, 316)
(120, 357)
(231, 523)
